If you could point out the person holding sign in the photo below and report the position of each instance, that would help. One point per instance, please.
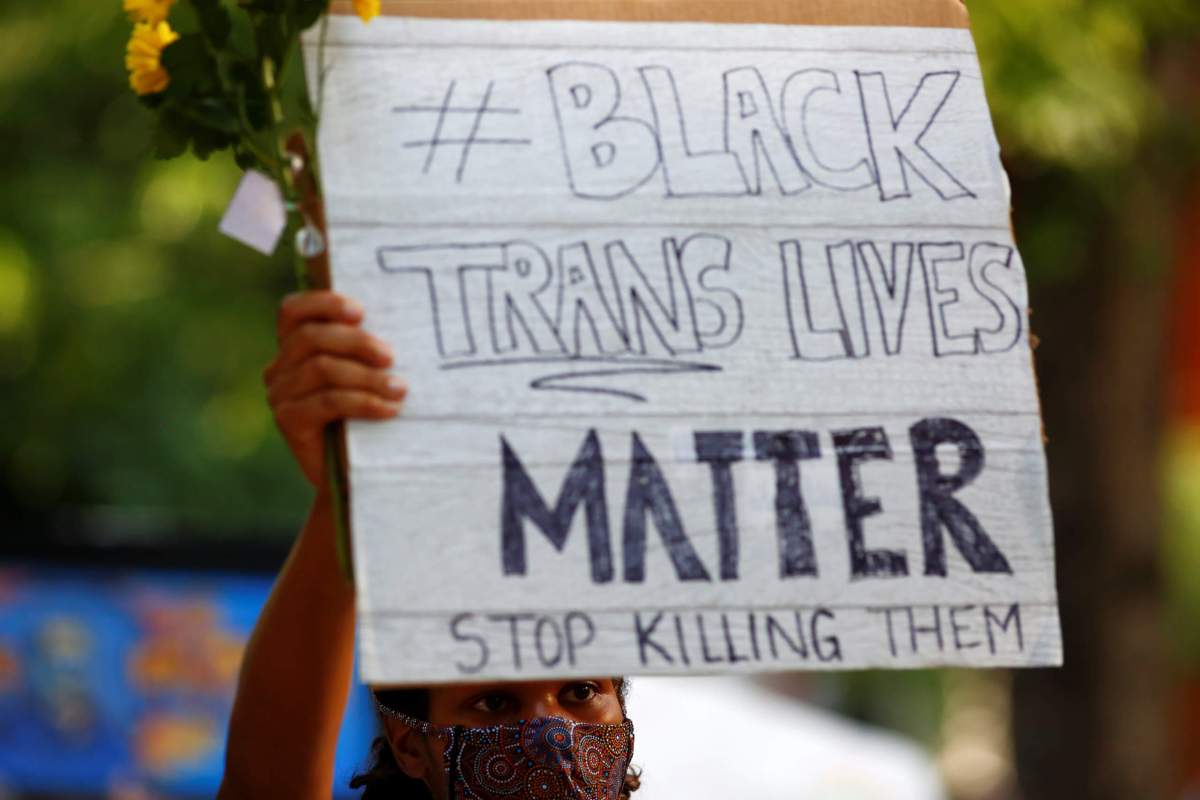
(560, 738)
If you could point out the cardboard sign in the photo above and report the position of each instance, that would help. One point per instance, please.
(717, 344)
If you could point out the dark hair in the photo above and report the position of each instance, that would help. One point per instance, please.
(386, 781)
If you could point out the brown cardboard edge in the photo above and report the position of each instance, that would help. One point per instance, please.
(915, 13)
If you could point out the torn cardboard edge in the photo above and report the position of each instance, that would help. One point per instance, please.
(928, 32)
(918, 13)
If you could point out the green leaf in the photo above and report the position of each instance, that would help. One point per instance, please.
(213, 113)
(151, 100)
(206, 141)
(271, 36)
(246, 159)
(214, 21)
(253, 97)
(170, 137)
(264, 6)
(190, 66)
(305, 13)
(306, 112)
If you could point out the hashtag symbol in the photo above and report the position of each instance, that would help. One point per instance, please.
(438, 139)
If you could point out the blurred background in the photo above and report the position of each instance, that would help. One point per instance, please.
(146, 499)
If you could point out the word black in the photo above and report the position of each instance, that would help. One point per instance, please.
(768, 139)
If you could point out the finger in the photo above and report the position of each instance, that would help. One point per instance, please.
(337, 339)
(317, 410)
(318, 305)
(324, 371)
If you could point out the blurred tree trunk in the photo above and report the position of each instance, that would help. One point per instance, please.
(1095, 730)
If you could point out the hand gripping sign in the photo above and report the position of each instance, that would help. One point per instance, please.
(717, 339)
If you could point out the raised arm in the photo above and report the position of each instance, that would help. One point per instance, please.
(297, 667)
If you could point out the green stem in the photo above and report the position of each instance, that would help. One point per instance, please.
(334, 468)
(338, 495)
(248, 141)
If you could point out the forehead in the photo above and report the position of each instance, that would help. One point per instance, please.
(449, 693)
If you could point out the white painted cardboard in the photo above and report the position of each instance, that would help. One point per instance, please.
(716, 338)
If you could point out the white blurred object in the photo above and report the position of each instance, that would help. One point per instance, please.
(256, 215)
(726, 737)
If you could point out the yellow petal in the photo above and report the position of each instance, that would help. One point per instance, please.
(151, 11)
(143, 56)
(367, 10)
(165, 34)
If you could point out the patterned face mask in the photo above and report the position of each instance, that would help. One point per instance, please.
(548, 758)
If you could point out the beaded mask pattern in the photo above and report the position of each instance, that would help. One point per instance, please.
(547, 758)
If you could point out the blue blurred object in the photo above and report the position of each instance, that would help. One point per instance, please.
(122, 680)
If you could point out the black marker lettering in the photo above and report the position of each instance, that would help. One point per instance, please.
(939, 508)
(828, 648)
(514, 621)
(1013, 617)
(895, 140)
(538, 639)
(797, 646)
(957, 630)
(606, 155)
(709, 658)
(887, 612)
(683, 653)
(584, 484)
(719, 449)
(734, 656)
(854, 446)
(643, 634)
(480, 642)
(574, 644)
(792, 525)
(648, 493)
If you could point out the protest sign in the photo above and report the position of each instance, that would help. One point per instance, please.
(717, 343)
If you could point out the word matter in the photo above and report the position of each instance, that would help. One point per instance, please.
(649, 499)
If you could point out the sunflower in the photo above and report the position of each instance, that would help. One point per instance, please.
(143, 57)
(151, 11)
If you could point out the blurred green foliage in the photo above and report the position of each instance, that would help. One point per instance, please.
(1068, 80)
(132, 335)
(1098, 113)
(1097, 107)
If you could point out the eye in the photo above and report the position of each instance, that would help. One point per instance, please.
(581, 692)
(492, 703)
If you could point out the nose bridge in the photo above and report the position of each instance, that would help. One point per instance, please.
(546, 705)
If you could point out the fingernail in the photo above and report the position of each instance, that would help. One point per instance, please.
(352, 311)
(397, 386)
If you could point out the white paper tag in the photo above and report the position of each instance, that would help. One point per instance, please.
(255, 216)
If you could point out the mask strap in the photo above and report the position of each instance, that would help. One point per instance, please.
(419, 725)
(452, 735)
